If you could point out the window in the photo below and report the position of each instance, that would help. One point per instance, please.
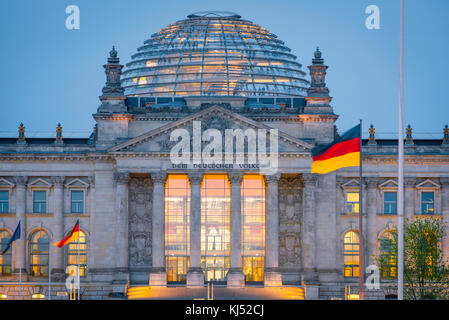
(388, 263)
(428, 202)
(5, 260)
(352, 202)
(73, 256)
(39, 201)
(351, 246)
(77, 201)
(177, 227)
(4, 201)
(39, 254)
(390, 202)
(253, 227)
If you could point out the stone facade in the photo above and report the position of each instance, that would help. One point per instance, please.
(122, 170)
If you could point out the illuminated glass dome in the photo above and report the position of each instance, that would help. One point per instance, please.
(214, 54)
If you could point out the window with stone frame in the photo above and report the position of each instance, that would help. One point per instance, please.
(39, 201)
(4, 201)
(388, 260)
(428, 202)
(76, 253)
(352, 202)
(351, 248)
(390, 202)
(39, 249)
(77, 201)
(6, 258)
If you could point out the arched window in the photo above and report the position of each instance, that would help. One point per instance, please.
(388, 249)
(5, 259)
(73, 256)
(39, 254)
(177, 227)
(253, 227)
(351, 247)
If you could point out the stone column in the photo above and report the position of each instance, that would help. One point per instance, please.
(58, 227)
(195, 277)
(158, 275)
(20, 216)
(445, 212)
(371, 210)
(409, 197)
(308, 229)
(121, 238)
(235, 276)
(272, 276)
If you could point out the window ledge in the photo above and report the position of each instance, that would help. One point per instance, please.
(77, 215)
(31, 215)
(387, 214)
(7, 215)
(427, 215)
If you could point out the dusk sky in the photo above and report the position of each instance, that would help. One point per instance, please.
(51, 74)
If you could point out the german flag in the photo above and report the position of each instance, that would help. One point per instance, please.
(343, 152)
(74, 235)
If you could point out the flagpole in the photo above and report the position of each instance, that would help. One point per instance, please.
(401, 158)
(361, 235)
(49, 270)
(79, 284)
(20, 269)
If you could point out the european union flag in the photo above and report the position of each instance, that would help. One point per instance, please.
(14, 237)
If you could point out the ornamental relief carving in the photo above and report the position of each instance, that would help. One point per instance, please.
(290, 212)
(140, 221)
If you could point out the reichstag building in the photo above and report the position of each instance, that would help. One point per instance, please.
(146, 220)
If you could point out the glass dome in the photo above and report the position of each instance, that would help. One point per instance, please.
(214, 53)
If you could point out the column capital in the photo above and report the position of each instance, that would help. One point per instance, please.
(371, 182)
(444, 181)
(309, 179)
(235, 177)
(195, 177)
(121, 177)
(21, 180)
(273, 178)
(158, 177)
(58, 181)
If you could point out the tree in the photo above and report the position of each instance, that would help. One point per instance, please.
(426, 273)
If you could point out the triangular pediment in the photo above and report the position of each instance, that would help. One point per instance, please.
(6, 183)
(390, 183)
(39, 182)
(428, 184)
(215, 117)
(352, 183)
(77, 183)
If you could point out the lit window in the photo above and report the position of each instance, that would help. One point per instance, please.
(5, 259)
(74, 257)
(351, 249)
(39, 246)
(352, 202)
(39, 201)
(253, 227)
(4, 201)
(77, 201)
(390, 202)
(388, 263)
(427, 202)
(177, 227)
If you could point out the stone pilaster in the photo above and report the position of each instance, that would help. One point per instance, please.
(409, 197)
(19, 262)
(272, 276)
(308, 229)
(371, 210)
(445, 211)
(158, 275)
(58, 226)
(235, 276)
(121, 238)
(195, 277)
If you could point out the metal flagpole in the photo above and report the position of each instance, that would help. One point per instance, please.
(401, 159)
(49, 270)
(79, 270)
(361, 235)
(20, 268)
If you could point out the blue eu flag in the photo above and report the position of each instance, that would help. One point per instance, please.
(14, 237)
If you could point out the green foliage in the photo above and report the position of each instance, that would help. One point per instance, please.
(426, 274)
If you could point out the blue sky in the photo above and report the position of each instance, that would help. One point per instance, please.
(51, 74)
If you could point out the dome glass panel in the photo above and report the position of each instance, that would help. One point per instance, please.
(214, 54)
